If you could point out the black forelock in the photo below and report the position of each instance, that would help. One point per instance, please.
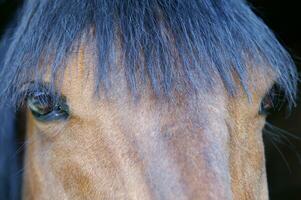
(208, 37)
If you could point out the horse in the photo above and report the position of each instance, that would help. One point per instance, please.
(128, 99)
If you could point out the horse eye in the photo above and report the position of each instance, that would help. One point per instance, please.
(266, 105)
(45, 109)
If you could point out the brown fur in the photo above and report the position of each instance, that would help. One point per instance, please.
(203, 146)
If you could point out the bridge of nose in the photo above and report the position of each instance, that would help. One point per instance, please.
(182, 151)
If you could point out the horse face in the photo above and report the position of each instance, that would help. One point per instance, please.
(206, 145)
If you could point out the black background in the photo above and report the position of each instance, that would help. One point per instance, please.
(283, 160)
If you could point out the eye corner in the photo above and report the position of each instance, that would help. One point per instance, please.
(271, 102)
(266, 106)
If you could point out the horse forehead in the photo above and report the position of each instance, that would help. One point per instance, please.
(79, 88)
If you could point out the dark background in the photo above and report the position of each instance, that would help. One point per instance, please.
(283, 150)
